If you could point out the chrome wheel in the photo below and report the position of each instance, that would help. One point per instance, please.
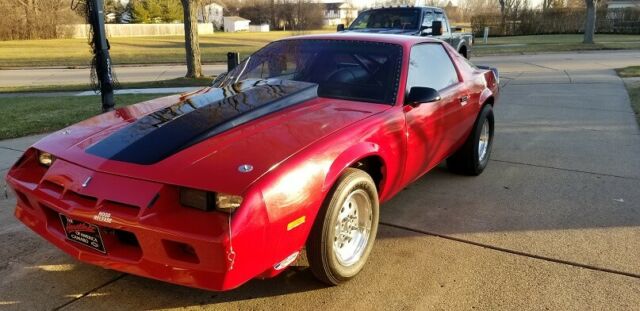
(483, 142)
(352, 228)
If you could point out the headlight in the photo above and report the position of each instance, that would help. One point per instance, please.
(45, 158)
(208, 201)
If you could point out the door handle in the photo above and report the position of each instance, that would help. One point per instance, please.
(464, 99)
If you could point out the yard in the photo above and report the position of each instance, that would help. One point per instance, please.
(21, 116)
(554, 43)
(133, 50)
(633, 86)
(157, 50)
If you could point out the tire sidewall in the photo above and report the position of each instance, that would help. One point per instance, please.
(486, 115)
(360, 181)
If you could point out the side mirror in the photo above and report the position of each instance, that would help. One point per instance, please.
(436, 28)
(421, 95)
(423, 30)
(340, 27)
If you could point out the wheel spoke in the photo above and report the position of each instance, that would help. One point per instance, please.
(352, 231)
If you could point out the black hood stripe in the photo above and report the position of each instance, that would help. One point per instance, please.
(161, 134)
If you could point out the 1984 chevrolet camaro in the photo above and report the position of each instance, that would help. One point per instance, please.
(293, 149)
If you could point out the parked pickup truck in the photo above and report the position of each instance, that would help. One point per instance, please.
(415, 21)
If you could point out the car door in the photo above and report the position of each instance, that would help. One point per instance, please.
(431, 128)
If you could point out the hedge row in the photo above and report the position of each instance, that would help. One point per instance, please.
(556, 21)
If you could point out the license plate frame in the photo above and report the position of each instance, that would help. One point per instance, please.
(83, 233)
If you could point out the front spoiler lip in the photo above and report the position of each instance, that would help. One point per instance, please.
(173, 272)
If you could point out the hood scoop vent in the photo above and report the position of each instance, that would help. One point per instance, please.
(161, 134)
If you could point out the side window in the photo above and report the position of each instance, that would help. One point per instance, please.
(427, 20)
(445, 25)
(430, 66)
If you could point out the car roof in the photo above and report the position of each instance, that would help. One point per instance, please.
(370, 37)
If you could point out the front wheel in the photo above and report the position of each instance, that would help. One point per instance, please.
(342, 236)
(472, 158)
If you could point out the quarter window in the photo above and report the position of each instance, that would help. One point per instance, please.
(430, 66)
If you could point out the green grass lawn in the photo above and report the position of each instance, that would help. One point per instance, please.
(134, 50)
(178, 82)
(634, 94)
(629, 72)
(554, 43)
(632, 87)
(170, 49)
(22, 116)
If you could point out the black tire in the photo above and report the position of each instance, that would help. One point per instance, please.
(467, 160)
(324, 262)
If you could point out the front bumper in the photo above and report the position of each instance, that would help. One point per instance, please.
(144, 234)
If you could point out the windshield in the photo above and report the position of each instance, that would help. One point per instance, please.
(387, 18)
(354, 70)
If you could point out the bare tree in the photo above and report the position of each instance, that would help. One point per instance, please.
(590, 22)
(191, 42)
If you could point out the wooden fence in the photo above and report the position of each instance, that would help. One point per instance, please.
(133, 30)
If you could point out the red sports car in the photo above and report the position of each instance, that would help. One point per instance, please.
(295, 148)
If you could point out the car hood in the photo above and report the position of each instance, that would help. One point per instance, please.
(201, 139)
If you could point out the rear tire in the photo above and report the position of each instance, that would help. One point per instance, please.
(472, 158)
(344, 231)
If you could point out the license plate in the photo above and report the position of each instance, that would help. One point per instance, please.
(84, 233)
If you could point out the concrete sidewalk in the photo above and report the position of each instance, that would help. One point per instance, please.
(164, 90)
(553, 223)
(64, 76)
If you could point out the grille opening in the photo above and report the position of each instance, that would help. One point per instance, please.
(120, 209)
(80, 199)
(127, 238)
(180, 251)
(53, 220)
(121, 244)
(23, 200)
(51, 188)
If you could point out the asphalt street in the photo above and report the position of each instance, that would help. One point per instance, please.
(552, 224)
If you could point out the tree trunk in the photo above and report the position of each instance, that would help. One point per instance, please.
(272, 9)
(191, 42)
(590, 23)
(503, 17)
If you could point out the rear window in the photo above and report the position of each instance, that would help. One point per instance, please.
(387, 18)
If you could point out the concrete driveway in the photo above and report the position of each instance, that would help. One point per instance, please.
(553, 223)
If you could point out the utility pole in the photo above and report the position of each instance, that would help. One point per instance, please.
(100, 44)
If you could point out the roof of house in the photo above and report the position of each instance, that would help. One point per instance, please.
(336, 5)
(235, 19)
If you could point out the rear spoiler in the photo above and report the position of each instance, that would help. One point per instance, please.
(495, 71)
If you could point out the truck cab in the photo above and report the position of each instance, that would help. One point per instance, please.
(413, 21)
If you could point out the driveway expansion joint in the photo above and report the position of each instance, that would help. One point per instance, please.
(12, 149)
(514, 252)
(85, 294)
(566, 169)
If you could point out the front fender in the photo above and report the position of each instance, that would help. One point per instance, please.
(346, 159)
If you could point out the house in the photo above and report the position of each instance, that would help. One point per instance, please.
(211, 13)
(259, 28)
(339, 13)
(235, 24)
(622, 4)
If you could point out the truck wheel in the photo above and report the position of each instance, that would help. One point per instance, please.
(464, 53)
(342, 236)
(473, 156)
